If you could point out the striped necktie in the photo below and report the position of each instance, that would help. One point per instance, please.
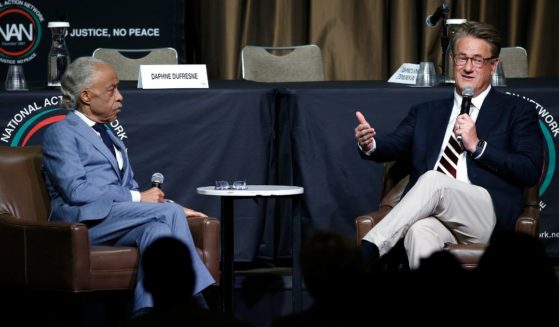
(449, 159)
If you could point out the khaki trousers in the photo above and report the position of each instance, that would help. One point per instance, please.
(438, 209)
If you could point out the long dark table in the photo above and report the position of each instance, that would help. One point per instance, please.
(286, 133)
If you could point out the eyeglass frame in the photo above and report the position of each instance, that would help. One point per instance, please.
(480, 65)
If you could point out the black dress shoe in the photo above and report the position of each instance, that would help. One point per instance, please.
(369, 253)
(200, 301)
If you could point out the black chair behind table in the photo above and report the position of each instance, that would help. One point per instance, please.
(37, 254)
(394, 183)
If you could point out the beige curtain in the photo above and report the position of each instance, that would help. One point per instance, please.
(361, 39)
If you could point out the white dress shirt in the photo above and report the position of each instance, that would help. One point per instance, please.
(462, 168)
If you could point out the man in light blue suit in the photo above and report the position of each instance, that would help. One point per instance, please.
(90, 180)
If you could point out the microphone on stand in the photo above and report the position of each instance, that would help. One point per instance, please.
(441, 12)
(467, 94)
(157, 180)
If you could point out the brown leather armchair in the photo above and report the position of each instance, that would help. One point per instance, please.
(394, 183)
(39, 254)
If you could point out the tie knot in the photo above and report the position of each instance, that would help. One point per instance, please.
(105, 136)
(99, 128)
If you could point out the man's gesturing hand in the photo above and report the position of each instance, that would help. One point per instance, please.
(364, 133)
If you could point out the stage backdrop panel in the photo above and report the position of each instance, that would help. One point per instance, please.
(122, 24)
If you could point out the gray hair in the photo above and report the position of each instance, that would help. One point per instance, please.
(478, 30)
(77, 78)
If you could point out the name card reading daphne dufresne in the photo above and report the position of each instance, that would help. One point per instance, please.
(172, 77)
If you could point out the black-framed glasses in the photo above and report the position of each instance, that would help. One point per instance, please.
(477, 61)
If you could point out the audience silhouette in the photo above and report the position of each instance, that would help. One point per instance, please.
(515, 272)
(514, 280)
(334, 276)
(169, 277)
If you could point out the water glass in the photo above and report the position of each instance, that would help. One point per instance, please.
(221, 185)
(498, 78)
(237, 185)
(15, 79)
(426, 75)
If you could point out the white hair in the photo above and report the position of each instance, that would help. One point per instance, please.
(77, 78)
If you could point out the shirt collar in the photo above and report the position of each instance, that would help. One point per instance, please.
(83, 117)
(476, 101)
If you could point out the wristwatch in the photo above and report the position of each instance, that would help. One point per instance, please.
(479, 148)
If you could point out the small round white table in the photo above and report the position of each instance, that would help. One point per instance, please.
(227, 235)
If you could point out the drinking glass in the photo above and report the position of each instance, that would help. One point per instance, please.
(237, 185)
(498, 78)
(426, 75)
(15, 79)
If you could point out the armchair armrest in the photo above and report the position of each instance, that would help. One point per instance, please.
(365, 223)
(467, 254)
(528, 221)
(45, 254)
(205, 232)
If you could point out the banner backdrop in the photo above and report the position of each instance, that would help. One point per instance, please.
(125, 24)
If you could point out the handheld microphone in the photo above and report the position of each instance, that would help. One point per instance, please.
(441, 12)
(157, 180)
(467, 94)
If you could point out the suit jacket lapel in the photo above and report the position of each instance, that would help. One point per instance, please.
(125, 161)
(438, 123)
(489, 115)
(89, 134)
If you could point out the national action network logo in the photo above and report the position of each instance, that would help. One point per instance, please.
(550, 130)
(20, 31)
(26, 125)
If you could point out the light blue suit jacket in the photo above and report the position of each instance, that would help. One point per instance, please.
(82, 175)
(85, 183)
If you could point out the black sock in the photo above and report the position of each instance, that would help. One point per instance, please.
(369, 253)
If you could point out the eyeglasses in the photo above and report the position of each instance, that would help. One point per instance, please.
(477, 61)
(237, 185)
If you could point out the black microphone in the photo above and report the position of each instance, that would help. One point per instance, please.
(157, 180)
(467, 94)
(441, 12)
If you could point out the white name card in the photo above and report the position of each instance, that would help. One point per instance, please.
(172, 76)
(406, 74)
